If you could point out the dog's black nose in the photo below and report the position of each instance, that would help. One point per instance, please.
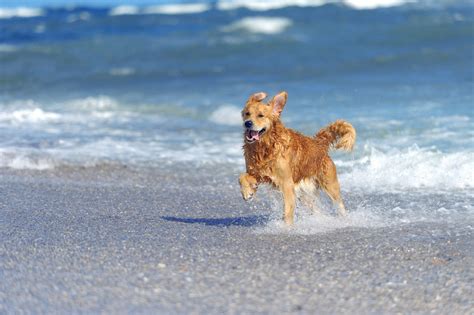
(248, 124)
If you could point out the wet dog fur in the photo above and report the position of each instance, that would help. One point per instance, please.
(296, 164)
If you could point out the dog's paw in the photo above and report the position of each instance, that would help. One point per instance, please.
(248, 186)
(247, 193)
(289, 222)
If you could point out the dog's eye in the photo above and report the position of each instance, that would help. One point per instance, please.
(261, 115)
(247, 114)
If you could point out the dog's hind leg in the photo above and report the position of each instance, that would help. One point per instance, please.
(289, 199)
(309, 201)
(331, 186)
(308, 195)
(334, 192)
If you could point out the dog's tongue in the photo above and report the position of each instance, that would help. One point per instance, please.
(254, 135)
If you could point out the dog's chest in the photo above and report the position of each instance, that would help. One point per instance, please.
(263, 170)
(270, 170)
(266, 162)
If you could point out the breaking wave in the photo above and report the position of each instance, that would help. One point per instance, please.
(34, 115)
(259, 25)
(20, 12)
(413, 167)
(226, 115)
(185, 8)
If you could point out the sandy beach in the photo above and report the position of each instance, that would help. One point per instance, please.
(118, 240)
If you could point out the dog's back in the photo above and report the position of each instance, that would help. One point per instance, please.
(308, 156)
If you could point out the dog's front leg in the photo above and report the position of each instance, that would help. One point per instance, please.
(289, 200)
(248, 185)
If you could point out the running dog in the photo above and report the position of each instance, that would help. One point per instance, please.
(296, 164)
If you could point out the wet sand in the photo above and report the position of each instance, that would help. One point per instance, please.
(116, 240)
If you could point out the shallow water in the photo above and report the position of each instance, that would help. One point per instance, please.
(372, 210)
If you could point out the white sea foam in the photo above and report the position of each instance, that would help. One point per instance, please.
(19, 160)
(109, 148)
(225, 149)
(102, 123)
(100, 102)
(259, 25)
(226, 115)
(20, 12)
(373, 211)
(369, 209)
(264, 5)
(322, 220)
(33, 115)
(321, 223)
(254, 5)
(85, 111)
(185, 8)
(410, 168)
(124, 10)
(374, 4)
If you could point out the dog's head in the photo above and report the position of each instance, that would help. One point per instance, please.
(259, 116)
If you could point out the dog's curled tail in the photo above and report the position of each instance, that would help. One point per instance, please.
(338, 135)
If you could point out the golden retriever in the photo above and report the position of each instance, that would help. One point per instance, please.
(296, 164)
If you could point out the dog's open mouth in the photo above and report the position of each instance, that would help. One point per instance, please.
(253, 135)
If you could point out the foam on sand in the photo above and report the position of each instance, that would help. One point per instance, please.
(20, 12)
(321, 223)
(369, 211)
(260, 25)
(22, 161)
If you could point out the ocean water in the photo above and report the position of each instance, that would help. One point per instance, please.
(162, 85)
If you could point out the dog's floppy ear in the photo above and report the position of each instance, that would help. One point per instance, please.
(278, 102)
(257, 97)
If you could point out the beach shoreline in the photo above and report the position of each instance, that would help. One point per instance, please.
(122, 240)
